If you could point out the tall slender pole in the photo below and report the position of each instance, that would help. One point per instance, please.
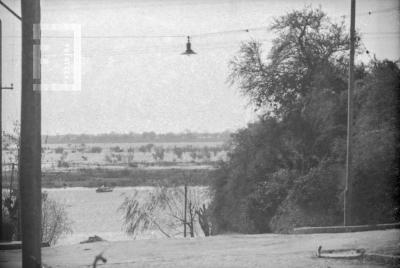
(1, 139)
(184, 224)
(30, 155)
(348, 188)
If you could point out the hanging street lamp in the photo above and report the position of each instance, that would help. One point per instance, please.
(189, 50)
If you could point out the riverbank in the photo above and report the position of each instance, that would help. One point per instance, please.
(123, 177)
(270, 250)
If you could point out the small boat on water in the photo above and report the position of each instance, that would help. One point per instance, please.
(104, 189)
(340, 253)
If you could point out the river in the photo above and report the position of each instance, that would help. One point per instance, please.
(98, 214)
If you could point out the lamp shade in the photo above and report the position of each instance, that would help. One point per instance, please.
(189, 50)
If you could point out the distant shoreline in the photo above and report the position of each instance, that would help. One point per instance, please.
(145, 137)
(125, 177)
(133, 142)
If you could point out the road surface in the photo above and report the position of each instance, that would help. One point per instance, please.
(266, 250)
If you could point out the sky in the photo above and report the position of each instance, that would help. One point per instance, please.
(133, 77)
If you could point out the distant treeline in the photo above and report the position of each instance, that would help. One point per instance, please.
(137, 137)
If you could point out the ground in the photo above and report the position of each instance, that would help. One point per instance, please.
(266, 250)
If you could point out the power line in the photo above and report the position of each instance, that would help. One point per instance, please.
(373, 12)
(171, 48)
(121, 36)
(173, 36)
(379, 11)
(381, 33)
(247, 30)
(210, 34)
(234, 31)
(231, 31)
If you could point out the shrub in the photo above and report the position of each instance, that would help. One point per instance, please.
(108, 159)
(96, 149)
(318, 189)
(8, 228)
(178, 152)
(62, 164)
(132, 164)
(314, 200)
(55, 220)
(267, 197)
(116, 149)
(59, 150)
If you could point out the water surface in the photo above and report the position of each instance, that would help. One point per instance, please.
(98, 213)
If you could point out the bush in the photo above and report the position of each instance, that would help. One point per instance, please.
(55, 220)
(267, 197)
(96, 149)
(8, 228)
(314, 200)
(62, 164)
(59, 150)
(116, 149)
(178, 152)
(133, 165)
(291, 215)
(319, 189)
(108, 158)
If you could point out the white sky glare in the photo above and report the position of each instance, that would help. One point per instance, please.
(144, 84)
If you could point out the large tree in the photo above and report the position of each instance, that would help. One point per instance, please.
(287, 169)
(305, 55)
(300, 82)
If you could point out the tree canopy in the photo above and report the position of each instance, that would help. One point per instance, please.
(287, 169)
(306, 54)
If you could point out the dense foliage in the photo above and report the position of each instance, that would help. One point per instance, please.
(287, 169)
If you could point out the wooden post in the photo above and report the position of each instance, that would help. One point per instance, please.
(185, 209)
(12, 176)
(348, 188)
(30, 154)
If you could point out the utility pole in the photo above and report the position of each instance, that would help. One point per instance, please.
(30, 155)
(349, 176)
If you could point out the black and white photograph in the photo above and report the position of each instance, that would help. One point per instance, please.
(200, 133)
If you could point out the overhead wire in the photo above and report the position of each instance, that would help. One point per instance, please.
(222, 32)
(381, 33)
(154, 49)
(380, 11)
(210, 34)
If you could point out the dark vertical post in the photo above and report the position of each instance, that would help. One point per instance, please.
(30, 155)
(12, 177)
(348, 188)
(1, 139)
(184, 224)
